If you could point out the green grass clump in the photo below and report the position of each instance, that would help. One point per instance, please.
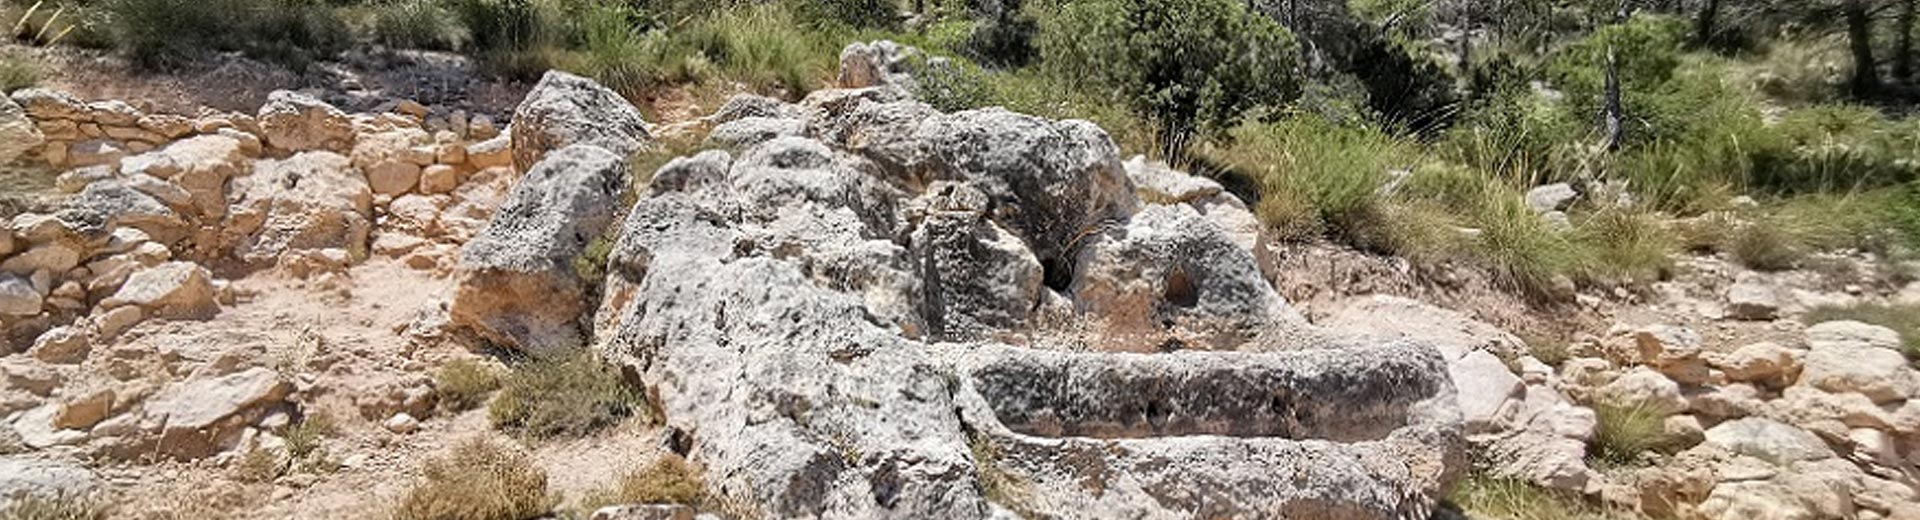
(1904, 319)
(480, 480)
(1493, 498)
(1626, 247)
(1626, 432)
(464, 384)
(564, 395)
(670, 480)
(416, 24)
(160, 33)
(64, 507)
(17, 73)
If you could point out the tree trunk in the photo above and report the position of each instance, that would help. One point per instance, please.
(1704, 25)
(1866, 76)
(1614, 117)
(1903, 50)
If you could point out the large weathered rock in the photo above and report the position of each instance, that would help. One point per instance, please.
(204, 416)
(1169, 264)
(1486, 389)
(18, 134)
(517, 282)
(978, 277)
(788, 309)
(311, 201)
(1050, 182)
(564, 110)
(111, 204)
(296, 122)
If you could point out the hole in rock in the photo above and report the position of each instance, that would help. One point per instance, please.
(1180, 290)
(1165, 396)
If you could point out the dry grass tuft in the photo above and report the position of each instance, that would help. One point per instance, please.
(480, 480)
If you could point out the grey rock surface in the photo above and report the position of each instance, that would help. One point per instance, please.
(517, 283)
(564, 109)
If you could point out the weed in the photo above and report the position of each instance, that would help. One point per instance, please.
(257, 466)
(669, 480)
(564, 395)
(479, 480)
(1494, 498)
(17, 73)
(464, 384)
(1626, 432)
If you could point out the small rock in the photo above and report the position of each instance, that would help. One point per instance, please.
(1551, 197)
(1768, 440)
(439, 178)
(18, 296)
(86, 411)
(118, 320)
(1645, 387)
(402, 423)
(644, 512)
(1753, 299)
(64, 345)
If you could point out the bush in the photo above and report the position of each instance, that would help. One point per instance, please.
(669, 480)
(159, 33)
(417, 24)
(67, 507)
(1191, 66)
(565, 395)
(17, 73)
(1626, 432)
(1315, 176)
(1493, 498)
(866, 14)
(1625, 247)
(1766, 246)
(480, 480)
(464, 384)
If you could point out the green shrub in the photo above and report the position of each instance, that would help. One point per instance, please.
(669, 480)
(1625, 247)
(479, 480)
(1523, 253)
(877, 14)
(68, 507)
(464, 384)
(1493, 498)
(1315, 176)
(417, 24)
(767, 48)
(1627, 432)
(17, 73)
(159, 33)
(1904, 319)
(1191, 66)
(564, 395)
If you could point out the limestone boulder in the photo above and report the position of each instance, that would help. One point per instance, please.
(1169, 264)
(311, 201)
(979, 278)
(296, 122)
(517, 282)
(1051, 182)
(1753, 299)
(18, 296)
(564, 110)
(1643, 386)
